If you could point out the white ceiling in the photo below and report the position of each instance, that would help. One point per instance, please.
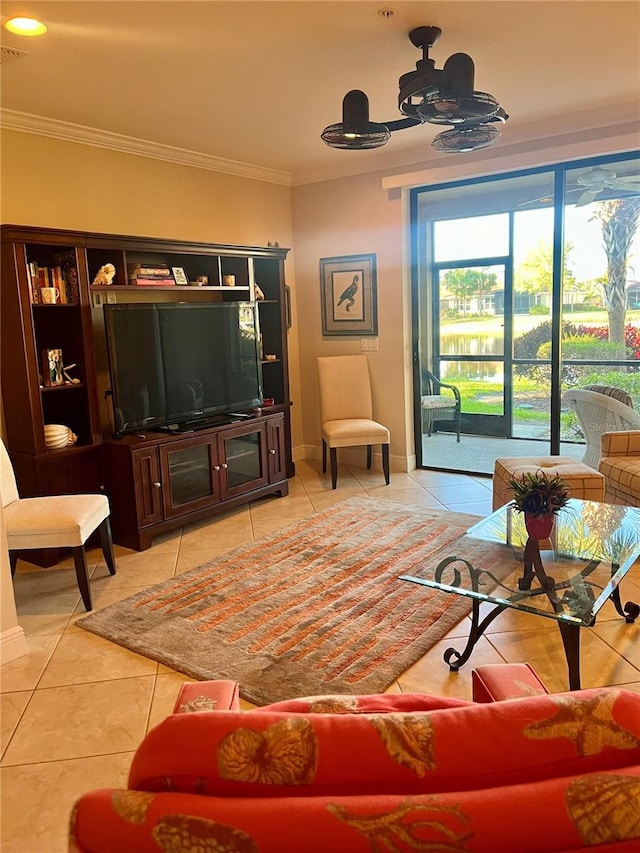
(256, 82)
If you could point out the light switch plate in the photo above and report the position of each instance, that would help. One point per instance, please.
(369, 344)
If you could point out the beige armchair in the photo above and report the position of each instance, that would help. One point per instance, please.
(55, 521)
(620, 465)
(597, 413)
(346, 411)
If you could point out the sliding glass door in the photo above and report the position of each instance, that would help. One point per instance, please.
(523, 286)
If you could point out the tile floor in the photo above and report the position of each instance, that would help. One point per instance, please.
(75, 708)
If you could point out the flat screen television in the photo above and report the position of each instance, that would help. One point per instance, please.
(182, 365)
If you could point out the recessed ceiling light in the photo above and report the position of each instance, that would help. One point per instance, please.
(25, 26)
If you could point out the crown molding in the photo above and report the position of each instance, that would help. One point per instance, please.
(69, 132)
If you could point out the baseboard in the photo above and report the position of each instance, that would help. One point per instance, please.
(358, 456)
(299, 453)
(13, 644)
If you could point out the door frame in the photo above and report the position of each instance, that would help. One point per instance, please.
(490, 425)
(422, 282)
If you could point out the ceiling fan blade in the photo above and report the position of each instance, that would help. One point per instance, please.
(627, 179)
(544, 199)
(626, 187)
(586, 198)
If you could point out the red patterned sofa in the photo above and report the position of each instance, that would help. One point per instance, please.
(391, 773)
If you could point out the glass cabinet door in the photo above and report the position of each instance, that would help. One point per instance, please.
(244, 458)
(188, 474)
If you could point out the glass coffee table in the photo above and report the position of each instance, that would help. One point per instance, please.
(567, 578)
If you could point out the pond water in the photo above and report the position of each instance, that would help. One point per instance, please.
(457, 344)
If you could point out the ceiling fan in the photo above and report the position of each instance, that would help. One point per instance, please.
(601, 178)
(593, 182)
(428, 95)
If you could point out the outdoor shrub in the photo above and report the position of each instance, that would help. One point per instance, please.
(450, 314)
(620, 378)
(526, 346)
(529, 346)
(538, 309)
(631, 337)
(589, 348)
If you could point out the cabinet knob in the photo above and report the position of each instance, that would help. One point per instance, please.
(157, 485)
(272, 452)
(224, 465)
(216, 467)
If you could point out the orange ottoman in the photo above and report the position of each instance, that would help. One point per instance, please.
(584, 482)
(495, 682)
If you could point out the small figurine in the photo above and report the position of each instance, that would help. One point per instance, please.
(67, 379)
(259, 293)
(105, 274)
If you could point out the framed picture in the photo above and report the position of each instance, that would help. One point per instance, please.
(52, 367)
(179, 275)
(348, 291)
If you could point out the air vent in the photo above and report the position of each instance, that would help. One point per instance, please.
(8, 53)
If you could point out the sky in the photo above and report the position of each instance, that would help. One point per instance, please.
(588, 259)
(487, 236)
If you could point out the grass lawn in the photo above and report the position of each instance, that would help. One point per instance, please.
(482, 388)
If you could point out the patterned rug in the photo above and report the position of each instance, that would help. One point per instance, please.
(314, 608)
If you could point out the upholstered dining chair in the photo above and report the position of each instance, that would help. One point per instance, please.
(599, 412)
(437, 406)
(54, 521)
(346, 411)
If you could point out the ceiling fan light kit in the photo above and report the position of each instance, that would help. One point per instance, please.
(355, 130)
(426, 95)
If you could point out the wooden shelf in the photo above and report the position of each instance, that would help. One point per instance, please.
(65, 387)
(55, 305)
(169, 288)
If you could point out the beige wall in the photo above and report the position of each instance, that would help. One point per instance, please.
(48, 182)
(346, 217)
(57, 184)
(369, 213)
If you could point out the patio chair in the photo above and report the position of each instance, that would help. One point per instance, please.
(597, 413)
(437, 406)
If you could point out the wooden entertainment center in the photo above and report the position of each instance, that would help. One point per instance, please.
(155, 480)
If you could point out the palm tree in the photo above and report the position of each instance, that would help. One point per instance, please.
(619, 218)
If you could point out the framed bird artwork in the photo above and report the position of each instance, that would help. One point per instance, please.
(348, 293)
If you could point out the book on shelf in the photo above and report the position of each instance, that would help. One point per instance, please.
(142, 269)
(151, 275)
(66, 263)
(47, 277)
(43, 277)
(57, 280)
(159, 281)
(32, 278)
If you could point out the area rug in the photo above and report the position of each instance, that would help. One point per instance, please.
(315, 607)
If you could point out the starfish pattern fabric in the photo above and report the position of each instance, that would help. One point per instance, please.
(588, 723)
